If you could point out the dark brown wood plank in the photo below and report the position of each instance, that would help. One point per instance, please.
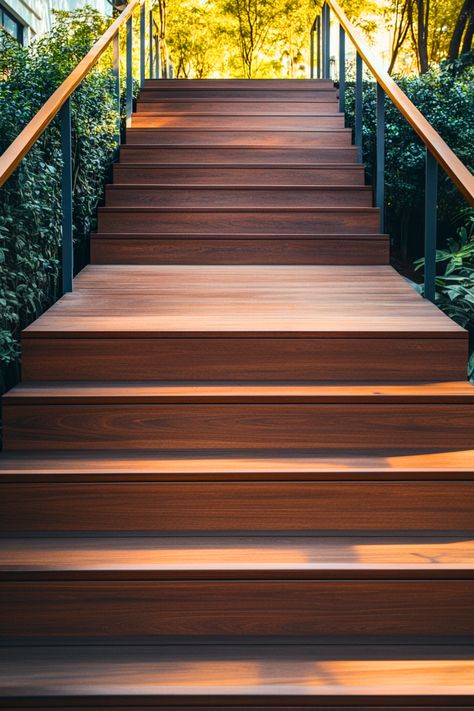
(232, 154)
(237, 249)
(311, 137)
(58, 358)
(244, 174)
(222, 196)
(402, 610)
(246, 121)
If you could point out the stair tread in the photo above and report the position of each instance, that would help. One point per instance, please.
(228, 673)
(461, 392)
(324, 301)
(229, 465)
(257, 556)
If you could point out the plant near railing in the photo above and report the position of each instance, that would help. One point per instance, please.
(455, 279)
(30, 201)
(444, 95)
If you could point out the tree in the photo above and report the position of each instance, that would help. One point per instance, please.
(464, 25)
(253, 21)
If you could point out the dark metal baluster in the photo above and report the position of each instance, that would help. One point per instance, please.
(358, 106)
(116, 76)
(311, 52)
(67, 249)
(326, 17)
(142, 44)
(129, 77)
(318, 49)
(431, 205)
(150, 40)
(342, 69)
(380, 155)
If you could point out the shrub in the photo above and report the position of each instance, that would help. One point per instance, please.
(30, 201)
(445, 96)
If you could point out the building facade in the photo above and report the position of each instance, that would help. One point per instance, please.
(25, 19)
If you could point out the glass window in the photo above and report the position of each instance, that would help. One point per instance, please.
(11, 25)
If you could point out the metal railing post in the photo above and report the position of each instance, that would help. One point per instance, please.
(67, 256)
(157, 57)
(342, 69)
(359, 98)
(129, 75)
(142, 43)
(431, 205)
(328, 42)
(311, 53)
(116, 76)
(380, 155)
(318, 46)
(150, 42)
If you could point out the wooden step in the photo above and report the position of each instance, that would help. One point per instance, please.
(239, 249)
(234, 196)
(227, 221)
(212, 91)
(252, 676)
(251, 84)
(256, 155)
(226, 121)
(348, 589)
(251, 323)
(291, 137)
(244, 174)
(238, 492)
(242, 106)
(131, 415)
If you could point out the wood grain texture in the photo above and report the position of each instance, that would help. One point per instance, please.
(400, 610)
(260, 426)
(221, 196)
(236, 106)
(225, 121)
(311, 137)
(244, 92)
(236, 558)
(222, 676)
(393, 465)
(232, 301)
(236, 154)
(237, 249)
(154, 220)
(380, 359)
(136, 504)
(244, 174)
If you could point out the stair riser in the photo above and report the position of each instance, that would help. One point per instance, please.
(158, 250)
(225, 425)
(217, 122)
(320, 610)
(230, 222)
(235, 154)
(242, 197)
(207, 137)
(222, 93)
(236, 106)
(314, 85)
(221, 175)
(243, 359)
(210, 507)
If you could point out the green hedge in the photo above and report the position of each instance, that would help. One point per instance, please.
(445, 96)
(30, 201)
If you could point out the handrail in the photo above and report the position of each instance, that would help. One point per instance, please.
(17, 150)
(455, 168)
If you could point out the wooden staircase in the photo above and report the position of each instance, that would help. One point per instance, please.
(239, 469)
